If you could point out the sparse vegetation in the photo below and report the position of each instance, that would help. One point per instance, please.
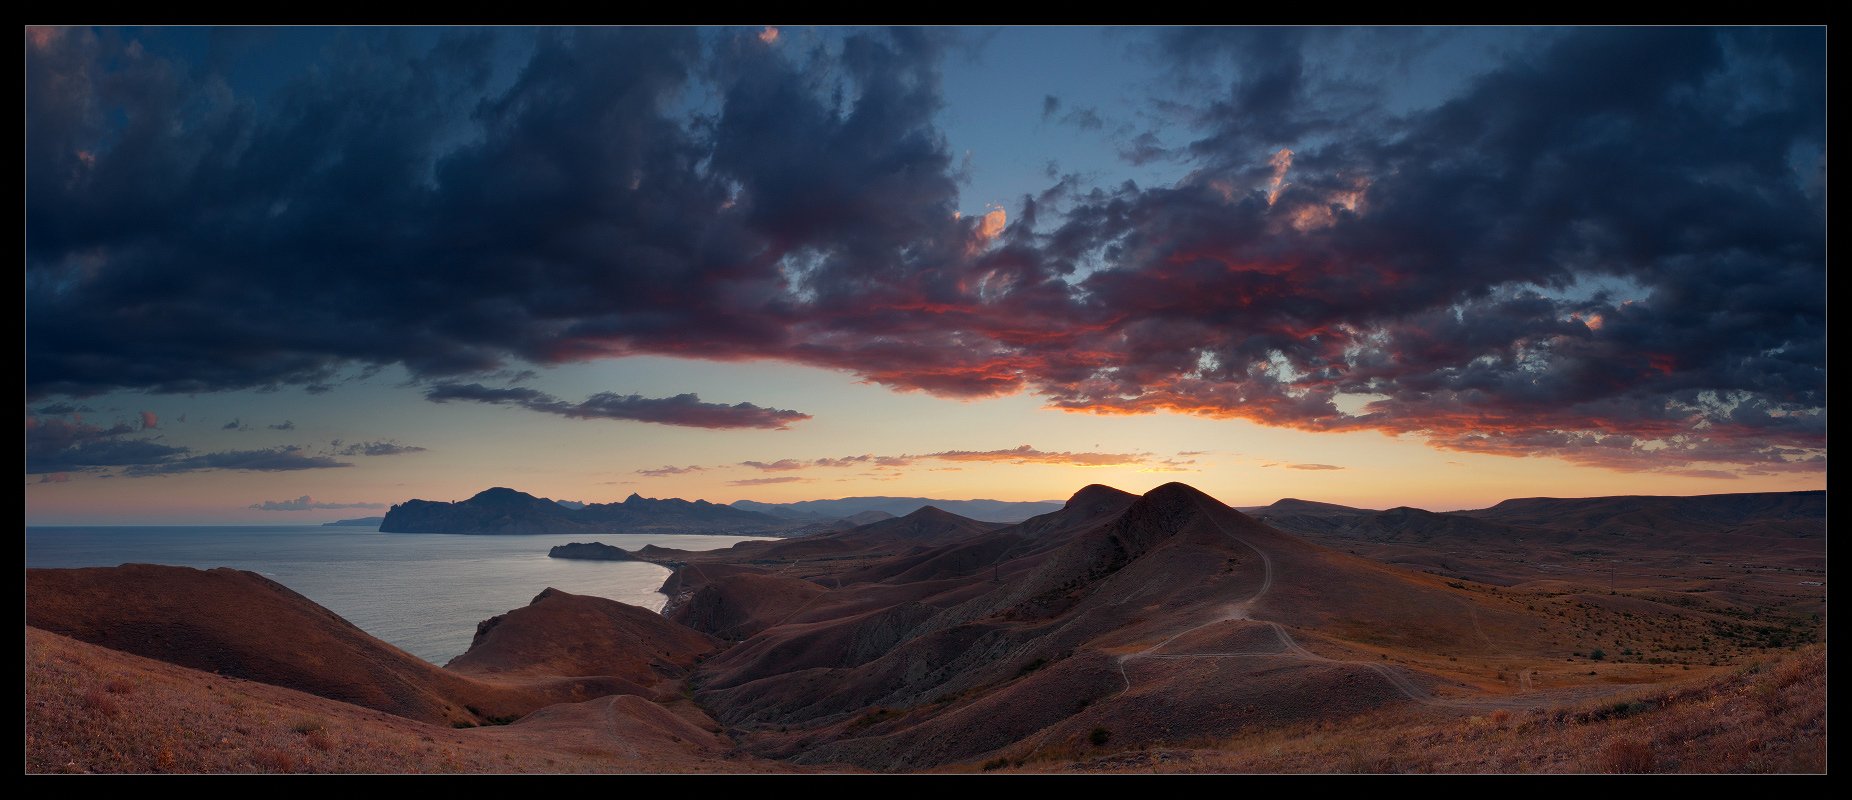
(1099, 736)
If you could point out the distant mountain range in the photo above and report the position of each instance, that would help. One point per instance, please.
(985, 510)
(506, 511)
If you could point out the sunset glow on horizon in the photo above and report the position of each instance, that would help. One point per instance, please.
(1375, 267)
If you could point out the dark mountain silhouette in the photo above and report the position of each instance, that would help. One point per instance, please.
(506, 511)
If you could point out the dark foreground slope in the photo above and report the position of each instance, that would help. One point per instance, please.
(93, 709)
(240, 624)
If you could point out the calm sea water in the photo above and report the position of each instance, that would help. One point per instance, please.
(423, 592)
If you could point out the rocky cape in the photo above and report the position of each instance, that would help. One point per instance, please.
(591, 551)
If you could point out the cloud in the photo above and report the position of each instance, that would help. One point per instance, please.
(781, 465)
(55, 477)
(234, 425)
(62, 409)
(1311, 466)
(1605, 245)
(682, 409)
(149, 421)
(1026, 454)
(56, 445)
(383, 448)
(766, 481)
(304, 503)
(665, 471)
(285, 425)
(280, 459)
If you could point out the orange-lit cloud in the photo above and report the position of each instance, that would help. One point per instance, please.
(1027, 454)
(1281, 161)
(769, 35)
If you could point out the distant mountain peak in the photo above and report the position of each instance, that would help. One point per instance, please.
(501, 495)
(1176, 492)
(1296, 504)
(1094, 493)
(931, 512)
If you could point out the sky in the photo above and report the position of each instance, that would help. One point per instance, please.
(300, 274)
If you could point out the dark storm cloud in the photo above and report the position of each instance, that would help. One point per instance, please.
(305, 503)
(285, 425)
(234, 425)
(1607, 248)
(682, 409)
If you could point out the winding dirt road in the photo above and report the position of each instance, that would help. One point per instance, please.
(1291, 648)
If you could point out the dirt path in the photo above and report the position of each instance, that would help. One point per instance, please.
(1290, 647)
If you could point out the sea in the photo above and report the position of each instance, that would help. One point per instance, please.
(422, 592)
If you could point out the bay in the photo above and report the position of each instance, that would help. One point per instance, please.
(422, 592)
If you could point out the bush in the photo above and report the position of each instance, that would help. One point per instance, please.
(1627, 756)
(271, 759)
(1598, 655)
(996, 763)
(99, 701)
(1099, 736)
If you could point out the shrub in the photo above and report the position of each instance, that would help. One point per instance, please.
(271, 759)
(1598, 655)
(1099, 736)
(99, 701)
(308, 725)
(1627, 756)
(996, 763)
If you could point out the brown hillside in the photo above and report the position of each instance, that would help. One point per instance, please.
(93, 709)
(568, 635)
